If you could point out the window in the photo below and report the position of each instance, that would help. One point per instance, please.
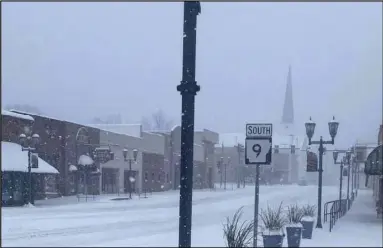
(18, 187)
(152, 176)
(167, 177)
(6, 186)
(159, 177)
(146, 176)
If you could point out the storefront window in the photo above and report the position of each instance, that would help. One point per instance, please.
(72, 182)
(6, 186)
(18, 187)
(50, 184)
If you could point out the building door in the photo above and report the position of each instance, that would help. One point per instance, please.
(109, 180)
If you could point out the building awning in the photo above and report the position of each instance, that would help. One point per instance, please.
(374, 162)
(14, 159)
(72, 168)
(85, 160)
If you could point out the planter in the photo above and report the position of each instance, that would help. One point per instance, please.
(308, 227)
(294, 234)
(273, 239)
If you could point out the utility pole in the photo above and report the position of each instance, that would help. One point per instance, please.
(188, 89)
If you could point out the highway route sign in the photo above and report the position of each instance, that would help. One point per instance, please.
(258, 150)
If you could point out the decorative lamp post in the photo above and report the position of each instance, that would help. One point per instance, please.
(310, 129)
(341, 163)
(28, 143)
(220, 168)
(146, 183)
(125, 153)
(348, 162)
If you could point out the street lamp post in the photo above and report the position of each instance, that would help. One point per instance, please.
(228, 161)
(357, 177)
(28, 143)
(128, 158)
(146, 183)
(244, 173)
(342, 162)
(221, 172)
(348, 183)
(333, 129)
(352, 177)
(188, 89)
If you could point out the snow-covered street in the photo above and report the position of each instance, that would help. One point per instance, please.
(142, 222)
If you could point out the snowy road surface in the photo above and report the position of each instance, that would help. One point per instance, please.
(142, 222)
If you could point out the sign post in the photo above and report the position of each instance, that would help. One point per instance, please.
(258, 151)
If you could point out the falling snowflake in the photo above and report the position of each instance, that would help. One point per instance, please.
(132, 179)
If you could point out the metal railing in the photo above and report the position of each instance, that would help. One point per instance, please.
(326, 210)
(338, 209)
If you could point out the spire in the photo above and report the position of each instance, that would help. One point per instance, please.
(288, 107)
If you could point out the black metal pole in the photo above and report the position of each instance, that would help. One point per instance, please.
(358, 178)
(256, 206)
(30, 176)
(243, 175)
(224, 186)
(238, 170)
(77, 174)
(319, 217)
(244, 178)
(130, 182)
(352, 178)
(355, 177)
(220, 182)
(145, 188)
(348, 185)
(188, 89)
(340, 186)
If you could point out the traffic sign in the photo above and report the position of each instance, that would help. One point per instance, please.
(259, 130)
(258, 150)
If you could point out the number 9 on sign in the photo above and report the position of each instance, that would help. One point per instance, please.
(257, 149)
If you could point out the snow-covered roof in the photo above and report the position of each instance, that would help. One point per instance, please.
(14, 159)
(85, 160)
(48, 117)
(173, 128)
(16, 115)
(133, 130)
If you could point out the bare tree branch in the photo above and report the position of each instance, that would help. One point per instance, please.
(157, 122)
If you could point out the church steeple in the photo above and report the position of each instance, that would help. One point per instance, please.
(288, 106)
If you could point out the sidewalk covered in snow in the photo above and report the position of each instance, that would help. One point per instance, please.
(360, 227)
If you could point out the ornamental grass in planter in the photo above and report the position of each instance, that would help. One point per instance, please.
(307, 221)
(274, 221)
(238, 234)
(294, 225)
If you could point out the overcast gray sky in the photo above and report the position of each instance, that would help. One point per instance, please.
(81, 60)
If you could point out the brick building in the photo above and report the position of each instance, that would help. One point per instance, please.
(63, 143)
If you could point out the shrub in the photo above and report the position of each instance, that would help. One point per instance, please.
(294, 214)
(309, 210)
(236, 234)
(273, 219)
